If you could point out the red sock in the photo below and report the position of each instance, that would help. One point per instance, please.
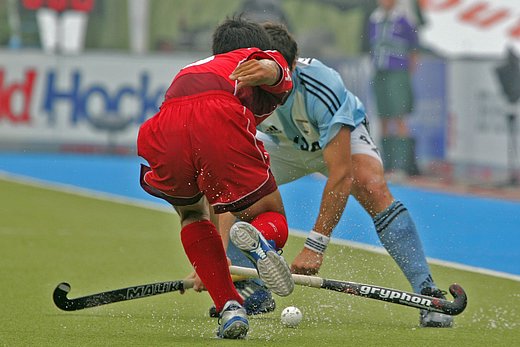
(203, 246)
(273, 226)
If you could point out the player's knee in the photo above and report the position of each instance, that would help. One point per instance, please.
(188, 216)
(370, 185)
(347, 182)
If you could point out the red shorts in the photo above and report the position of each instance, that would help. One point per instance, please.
(205, 145)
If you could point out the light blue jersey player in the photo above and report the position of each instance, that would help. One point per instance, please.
(322, 128)
(317, 108)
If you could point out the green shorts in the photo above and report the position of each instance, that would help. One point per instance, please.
(393, 91)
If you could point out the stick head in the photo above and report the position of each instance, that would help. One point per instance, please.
(461, 299)
(60, 297)
(64, 287)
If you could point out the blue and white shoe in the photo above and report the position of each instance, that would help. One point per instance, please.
(257, 298)
(271, 266)
(233, 322)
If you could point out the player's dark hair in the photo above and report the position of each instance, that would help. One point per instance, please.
(237, 32)
(282, 41)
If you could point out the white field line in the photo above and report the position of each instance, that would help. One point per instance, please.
(89, 193)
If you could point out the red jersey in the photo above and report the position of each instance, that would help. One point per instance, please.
(202, 141)
(212, 74)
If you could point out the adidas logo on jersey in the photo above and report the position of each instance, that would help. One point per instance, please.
(272, 130)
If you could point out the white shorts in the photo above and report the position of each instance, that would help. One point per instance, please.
(288, 163)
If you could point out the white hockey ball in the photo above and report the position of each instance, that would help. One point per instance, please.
(291, 316)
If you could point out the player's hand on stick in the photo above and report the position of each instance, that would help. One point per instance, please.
(307, 262)
(255, 73)
(198, 286)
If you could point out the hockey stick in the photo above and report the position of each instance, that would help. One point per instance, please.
(395, 296)
(369, 291)
(130, 293)
(123, 294)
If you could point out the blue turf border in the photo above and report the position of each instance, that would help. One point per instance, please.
(475, 231)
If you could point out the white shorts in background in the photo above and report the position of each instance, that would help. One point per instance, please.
(362, 143)
(289, 164)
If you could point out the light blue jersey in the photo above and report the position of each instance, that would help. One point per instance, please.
(317, 107)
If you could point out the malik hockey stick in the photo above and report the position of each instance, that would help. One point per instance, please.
(378, 293)
(130, 293)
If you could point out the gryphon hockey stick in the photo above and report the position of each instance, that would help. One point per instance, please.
(394, 296)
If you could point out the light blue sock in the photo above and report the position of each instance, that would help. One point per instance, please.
(399, 236)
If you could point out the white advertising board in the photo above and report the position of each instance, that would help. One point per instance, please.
(471, 27)
(93, 102)
(478, 128)
(86, 100)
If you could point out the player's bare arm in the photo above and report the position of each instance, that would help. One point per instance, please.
(256, 72)
(334, 199)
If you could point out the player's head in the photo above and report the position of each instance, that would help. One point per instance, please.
(282, 41)
(237, 32)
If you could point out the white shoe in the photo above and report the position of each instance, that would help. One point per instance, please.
(271, 266)
(233, 322)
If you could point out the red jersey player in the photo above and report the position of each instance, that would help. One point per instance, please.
(202, 151)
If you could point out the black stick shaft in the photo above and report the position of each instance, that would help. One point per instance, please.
(400, 297)
(117, 295)
(378, 293)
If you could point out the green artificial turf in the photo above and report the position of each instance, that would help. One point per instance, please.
(47, 237)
